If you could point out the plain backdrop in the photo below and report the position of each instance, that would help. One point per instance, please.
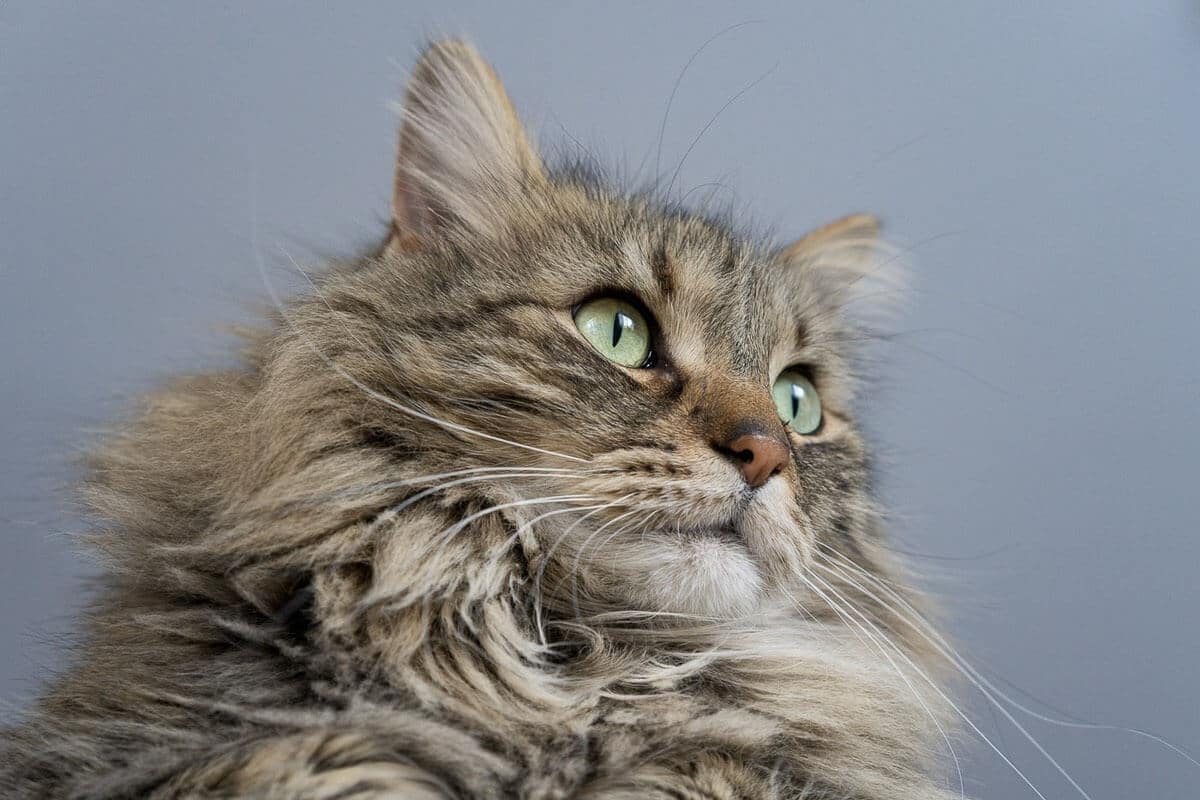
(1039, 415)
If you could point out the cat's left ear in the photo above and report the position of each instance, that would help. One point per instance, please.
(463, 155)
(846, 266)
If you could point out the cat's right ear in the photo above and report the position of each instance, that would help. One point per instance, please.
(463, 153)
(846, 267)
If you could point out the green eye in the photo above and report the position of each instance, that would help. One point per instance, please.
(797, 402)
(617, 329)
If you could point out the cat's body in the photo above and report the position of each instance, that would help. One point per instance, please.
(428, 542)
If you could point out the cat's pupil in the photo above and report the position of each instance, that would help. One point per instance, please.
(620, 323)
(795, 400)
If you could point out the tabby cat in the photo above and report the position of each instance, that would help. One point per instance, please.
(557, 493)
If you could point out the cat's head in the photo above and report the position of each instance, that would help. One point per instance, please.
(683, 393)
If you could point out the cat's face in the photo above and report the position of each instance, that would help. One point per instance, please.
(688, 390)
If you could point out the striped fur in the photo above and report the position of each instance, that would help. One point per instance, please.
(425, 542)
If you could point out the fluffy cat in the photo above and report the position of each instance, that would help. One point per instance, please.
(556, 494)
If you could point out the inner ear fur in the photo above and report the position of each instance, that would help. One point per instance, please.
(846, 266)
(462, 147)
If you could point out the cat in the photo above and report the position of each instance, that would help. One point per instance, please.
(558, 492)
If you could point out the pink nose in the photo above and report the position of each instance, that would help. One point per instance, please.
(758, 456)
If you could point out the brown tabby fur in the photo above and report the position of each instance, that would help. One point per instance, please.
(426, 542)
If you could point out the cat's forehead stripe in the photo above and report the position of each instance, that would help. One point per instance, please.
(663, 267)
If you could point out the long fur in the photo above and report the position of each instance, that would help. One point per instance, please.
(426, 542)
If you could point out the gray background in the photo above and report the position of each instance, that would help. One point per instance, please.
(1039, 419)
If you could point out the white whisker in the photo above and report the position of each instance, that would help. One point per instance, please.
(545, 560)
(467, 520)
(1029, 737)
(480, 473)
(981, 682)
(367, 390)
(391, 512)
(583, 547)
(883, 651)
(458, 527)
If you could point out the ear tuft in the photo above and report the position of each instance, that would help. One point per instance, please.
(855, 236)
(462, 147)
(849, 268)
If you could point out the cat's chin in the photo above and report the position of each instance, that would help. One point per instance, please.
(705, 574)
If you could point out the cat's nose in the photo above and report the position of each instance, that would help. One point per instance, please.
(758, 455)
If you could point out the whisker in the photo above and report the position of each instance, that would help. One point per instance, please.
(1029, 737)
(467, 520)
(916, 694)
(367, 390)
(527, 525)
(458, 527)
(737, 96)
(396, 404)
(482, 473)
(583, 547)
(930, 634)
(391, 511)
(662, 128)
(541, 573)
